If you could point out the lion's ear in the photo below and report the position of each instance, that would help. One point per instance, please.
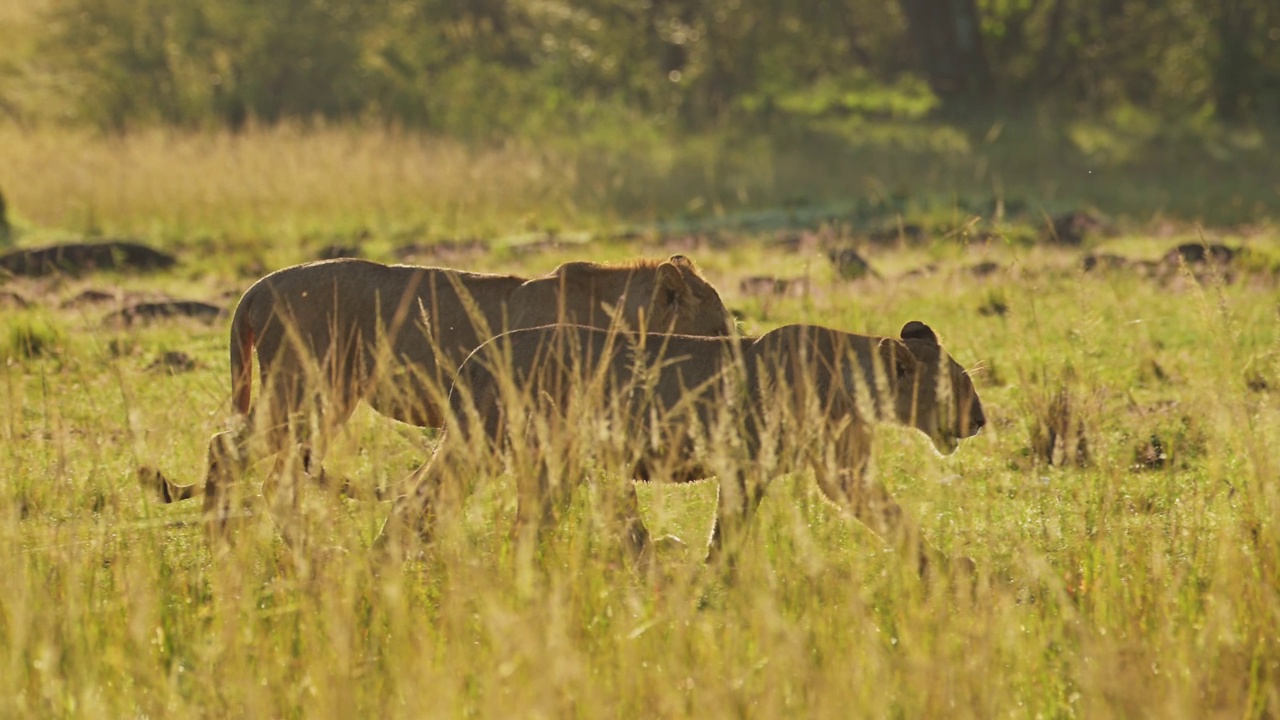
(681, 261)
(916, 330)
(671, 285)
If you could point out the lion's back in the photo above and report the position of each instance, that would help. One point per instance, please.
(597, 295)
(551, 366)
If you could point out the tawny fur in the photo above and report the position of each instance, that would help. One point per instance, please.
(683, 408)
(329, 334)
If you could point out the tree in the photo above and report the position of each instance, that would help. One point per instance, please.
(948, 37)
(1242, 33)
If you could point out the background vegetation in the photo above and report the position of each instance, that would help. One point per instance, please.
(511, 66)
(1122, 504)
(609, 114)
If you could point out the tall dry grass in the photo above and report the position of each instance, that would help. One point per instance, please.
(276, 182)
(1110, 587)
(1106, 589)
(289, 185)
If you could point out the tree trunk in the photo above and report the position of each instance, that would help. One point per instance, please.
(1049, 62)
(1234, 65)
(948, 38)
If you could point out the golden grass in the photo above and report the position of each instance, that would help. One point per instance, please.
(275, 182)
(290, 185)
(1105, 591)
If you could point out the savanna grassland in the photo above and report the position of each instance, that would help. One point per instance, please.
(1122, 503)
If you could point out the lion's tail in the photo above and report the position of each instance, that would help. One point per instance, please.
(242, 338)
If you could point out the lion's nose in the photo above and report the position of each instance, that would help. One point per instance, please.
(972, 420)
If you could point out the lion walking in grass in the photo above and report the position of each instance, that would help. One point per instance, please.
(550, 401)
(330, 334)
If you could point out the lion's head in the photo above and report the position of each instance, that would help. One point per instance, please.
(665, 296)
(685, 303)
(933, 393)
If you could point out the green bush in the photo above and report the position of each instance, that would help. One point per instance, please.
(28, 337)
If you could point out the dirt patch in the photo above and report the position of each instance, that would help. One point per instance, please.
(81, 258)
(850, 265)
(1200, 254)
(333, 252)
(172, 363)
(693, 242)
(1203, 260)
(145, 312)
(444, 252)
(984, 269)
(928, 270)
(1105, 262)
(1073, 228)
(13, 301)
(908, 234)
(769, 285)
(93, 297)
(797, 241)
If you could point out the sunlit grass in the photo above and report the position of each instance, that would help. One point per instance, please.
(293, 187)
(279, 182)
(1104, 590)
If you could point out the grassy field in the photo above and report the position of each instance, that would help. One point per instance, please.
(1122, 503)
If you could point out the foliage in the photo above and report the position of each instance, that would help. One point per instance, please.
(269, 190)
(503, 67)
(28, 337)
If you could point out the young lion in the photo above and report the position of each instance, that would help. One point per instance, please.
(684, 408)
(329, 334)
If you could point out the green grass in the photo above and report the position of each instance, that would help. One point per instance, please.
(1104, 590)
(269, 192)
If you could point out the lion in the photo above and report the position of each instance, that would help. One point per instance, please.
(329, 334)
(684, 408)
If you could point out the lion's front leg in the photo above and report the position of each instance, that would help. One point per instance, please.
(282, 493)
(535, 507)
(738, 497)
(841, 467)
(635, 536)
(414, 514)
(872, 505)
(622, 513)
(545, 481)
(227, 459)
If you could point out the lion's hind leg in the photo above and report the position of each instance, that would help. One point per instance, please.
(414, 515)
(224, 448)
(636, 540)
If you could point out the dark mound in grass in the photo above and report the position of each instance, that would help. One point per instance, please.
(13, 300)
(81, 258)
(164, 310)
